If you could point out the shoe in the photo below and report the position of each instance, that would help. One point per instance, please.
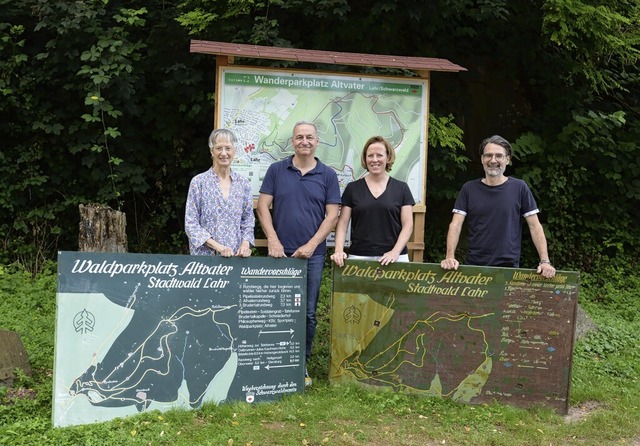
(307, 379)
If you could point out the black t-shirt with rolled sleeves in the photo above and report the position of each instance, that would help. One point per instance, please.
(493, 215)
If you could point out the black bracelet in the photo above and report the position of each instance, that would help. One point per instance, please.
(544, 261)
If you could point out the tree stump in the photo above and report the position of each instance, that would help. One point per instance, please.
(102, 229)
(12, 356)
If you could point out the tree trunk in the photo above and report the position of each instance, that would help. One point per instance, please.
(102, 229)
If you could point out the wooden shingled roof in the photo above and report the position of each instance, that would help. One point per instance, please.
(325, 57)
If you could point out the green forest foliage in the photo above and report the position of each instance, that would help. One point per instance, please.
(101, 101)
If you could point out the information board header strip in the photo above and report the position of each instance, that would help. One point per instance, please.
(321, 83)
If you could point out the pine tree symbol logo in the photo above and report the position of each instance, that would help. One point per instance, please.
(84, 322)
(352, 315)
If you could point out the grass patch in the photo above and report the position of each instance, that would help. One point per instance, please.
(605, 392)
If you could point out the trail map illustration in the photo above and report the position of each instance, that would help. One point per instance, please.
(474, 335)
(137, 332)
(261, 107)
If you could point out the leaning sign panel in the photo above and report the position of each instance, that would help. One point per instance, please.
(139, 331)
(474, 335)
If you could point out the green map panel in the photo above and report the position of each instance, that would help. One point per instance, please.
(262, 106)
(475, 335)
(138, 332)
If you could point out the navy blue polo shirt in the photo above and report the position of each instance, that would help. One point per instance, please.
(299, 201)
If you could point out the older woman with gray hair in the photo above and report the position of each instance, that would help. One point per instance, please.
(219, 218)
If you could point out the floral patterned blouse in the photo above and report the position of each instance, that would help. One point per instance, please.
(229, 221)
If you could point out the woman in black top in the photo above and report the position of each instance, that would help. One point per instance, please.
(379, 208)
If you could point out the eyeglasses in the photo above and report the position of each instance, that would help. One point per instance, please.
(498, 156)
(223, 148)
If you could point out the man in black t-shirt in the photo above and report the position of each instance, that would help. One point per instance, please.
(492, 207)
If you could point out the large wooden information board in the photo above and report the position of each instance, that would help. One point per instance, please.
(141, 332)
(262, 107)
(474, 335)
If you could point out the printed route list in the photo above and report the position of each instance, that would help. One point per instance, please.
(271, 309)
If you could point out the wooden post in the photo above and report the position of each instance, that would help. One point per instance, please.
(102, 229)
(416, 242)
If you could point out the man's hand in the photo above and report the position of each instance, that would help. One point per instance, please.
(275, 248)
(305, 251)
(546, 270)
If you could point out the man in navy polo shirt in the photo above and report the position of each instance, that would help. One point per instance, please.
(305, 196)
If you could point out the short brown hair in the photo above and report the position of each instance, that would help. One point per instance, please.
(391, 154)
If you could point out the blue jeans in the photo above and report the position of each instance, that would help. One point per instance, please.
(315, 265)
